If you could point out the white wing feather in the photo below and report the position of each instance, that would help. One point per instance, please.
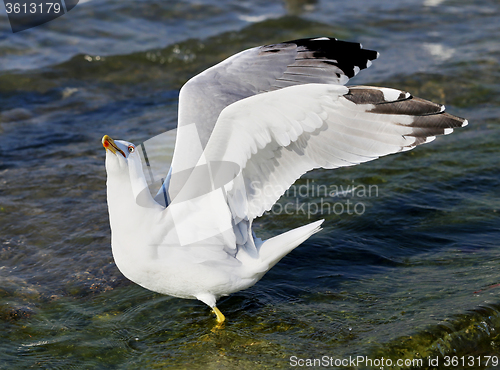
(251, 72)
(276, 137)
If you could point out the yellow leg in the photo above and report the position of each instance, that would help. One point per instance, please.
(220, 316)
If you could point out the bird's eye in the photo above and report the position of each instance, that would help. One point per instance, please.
(131, 148)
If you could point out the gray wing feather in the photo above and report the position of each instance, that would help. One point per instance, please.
(254, 71)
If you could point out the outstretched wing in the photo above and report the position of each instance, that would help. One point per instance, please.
(273, 138)
(254, 71)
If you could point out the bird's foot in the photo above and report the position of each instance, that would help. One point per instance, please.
(220, 316)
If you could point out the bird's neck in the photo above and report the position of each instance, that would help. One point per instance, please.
(133, 216)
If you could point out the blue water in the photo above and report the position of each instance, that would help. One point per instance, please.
(413, 276)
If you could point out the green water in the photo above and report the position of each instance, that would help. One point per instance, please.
(413, 277)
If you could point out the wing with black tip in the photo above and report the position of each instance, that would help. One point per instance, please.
(266, 68)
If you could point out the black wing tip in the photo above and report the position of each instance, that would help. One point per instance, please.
(396, 102)
(376, 96)
(331, 44)
(425, 118)
(350, 57)
(426, 128)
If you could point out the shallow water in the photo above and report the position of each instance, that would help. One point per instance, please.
(414, 275)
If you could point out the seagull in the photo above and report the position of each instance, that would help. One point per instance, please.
(248, 128)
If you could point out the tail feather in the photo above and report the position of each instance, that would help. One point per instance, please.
(274, 249)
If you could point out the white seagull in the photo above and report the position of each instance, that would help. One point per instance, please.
(248, 128)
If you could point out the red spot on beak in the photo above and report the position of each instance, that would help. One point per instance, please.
(110, 145)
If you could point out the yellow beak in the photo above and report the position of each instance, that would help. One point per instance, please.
(110, 145)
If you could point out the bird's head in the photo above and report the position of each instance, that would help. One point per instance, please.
(120, 154)
(118, 147)
(124, 169)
